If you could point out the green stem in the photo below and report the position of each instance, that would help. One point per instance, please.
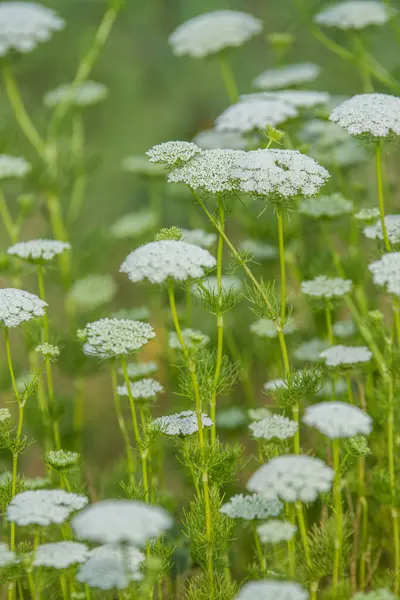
(362, 63)
(328, 319)
(60, 233)
(282, 266)
(381, 200)
(364, 521)
(349, 389)
(260, 553)
(9, 225)
(339, 516)
(78, 189)
(291, 546)
(228, 78)
(303, 534)
(392, 481)
(122, 425)
(244, 374)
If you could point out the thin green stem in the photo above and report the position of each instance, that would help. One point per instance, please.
(362, 63)
(259, 550)
(279, 216)
(303, 534)
(339, 516)
(122, 425)
(349, 389)
(392, 481)
(228, 78)
(381, 200)
(291, 546)
(364, 522)
(328, 319)
(77, 151)
(9, 225)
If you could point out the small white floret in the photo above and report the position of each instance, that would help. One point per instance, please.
(143, 389)
(116, 337)
(18, 306)
(274, 427)
(326, 287)
(338, 419)
(38, 250)
(13, 166)
(252, 114)
(392, 222)
(340, 355)
(60, 555)
(87, 93)
(183, 423)
(250, 507)
(377, 115)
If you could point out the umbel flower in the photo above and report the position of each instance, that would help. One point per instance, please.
(48, 351)
(340, 355)
(87, 93)
(355, 14)
(287, 76)
(7, 557)
(326, 287)
(193, 339)
(140, 369)
(209, 139)
(377, 115)
(274, 427)
(272, 590)
(212, 32)
(62, 460)
(367, 215)
(43, 507)
(17, 306)
(13, 166)
(93, 291)
(60, 555)
(199, 237)
(386, 271)
(143, 389)
(275, 531)
(38, 251)
(121, 522)
(23, 25)
(172, 153)
(338, 419)
(183, 423)
(392, 223)
(329, 207)
(344, 329)
(292, 478)
(252, 114)
(111, 567)
(230, 417)
(158, 261)
(251, 507)
(116, 337)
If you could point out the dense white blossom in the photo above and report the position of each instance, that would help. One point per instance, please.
(266, 328)
(211, 32)
(251, 506)
(275, 531)
(84, 94)
(111, 567)
(192, 338)
(344, 329)
(355, 14)
(116, 337)
(228, 283)
(17, 306)
(339, 355)
(260, 250)
(62, 460)
(7, 556)
(298, 98)
(172, 153)
(326, 287)
(249, 115)
(13, 166)
(48, 351)
(183, 423)
(310, 350)
(140, 369)
(367, 215)
(392, 223)
(158, 261)
(199, 237)
(292, 478)
(38, 250)
(134, 224)
(331, 206)
(141, 389)
(210, 139)
(386, 271)
(93, 291)
(43, 507)
(24, 25)
(377, 115)
(272, 590)
(274, 427)
(60, 555)
(231, 417)
(338, 419)
(287, 76)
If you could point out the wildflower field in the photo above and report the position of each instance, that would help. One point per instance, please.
(200, 300)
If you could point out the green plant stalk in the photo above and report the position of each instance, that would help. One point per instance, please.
(396, 317)
(60, 233)
(10, 227)
(148, 454)
(379, 180)
(303, 534)
(349, 389)
(363, 63)
(228, 78)
(79, 185)
(291, 546)
(63, 586)
(244, 376)
(392, 480)
(364, 521)
(328, 319)
(122, 425)
(259, 550)
(339, 516)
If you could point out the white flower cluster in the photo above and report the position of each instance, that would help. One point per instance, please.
(272, 590)
(252, 114)
(7, 556)
(17, 306)
(210, 139)
(5, 416)
(231, 417)
(355, 14)
(260, 250)
(38, 250)
(142, 389)
(331, 206)
(266, 328)
(172, 153)
(13, 166)
(344, 329)
(192, 338)
(116, 337)
(274, 427)
(87, 93)
(158, 261)
(23, 25)
(287, 76)
(111, 567)
(228, 283)
(336, 388)
(292, 478)
(338, 419)
(212, 32)
(93, 291)
(250, 507)
(198, 237)
(276, 531)
(140, 369)
(326, 287)
(134, 224)
(367, 215)
(377, 115)
(183, 423)
(386, 271)
(340, 355)
(60, 555)
(43, 507)
(392, 222)
(310, 351)
(62, 460)
(48, 351)
(297, 98)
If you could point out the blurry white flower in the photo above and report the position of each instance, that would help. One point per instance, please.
(338, 387)
(367, 215)
(249, 115)
(229, 283)
(260, 250)
(212, 32)
(134, 224)
(231, 417)
(141, 166)
(43, 507)
(326, 287)
(138, 313)
(386, 271)
(110, 567)
(62, 460)
(274, 427)
(310, 351)
(48, 351)
(292, 478)
(250, 507)
(192, 337)
(172, 153)
(142, 389)
(116, 337)
(275, 384)
(93, 291)
(5, 416)
(198, 237)
(37, 483)
(212, 140)
(346, 355)
(392, 222)
(60, 555)
(344, 329)
(275, 531)
(298, 98)
(38, 250)
(377, 594)
(338, 419)
(266, 328)
(158, 261)
(375, 114)
(331, 206)
(85, 94)
(183, 423)
(7, 557)
(287, 76)
(355, 14)
(121, 522)
(257, 414)
(17, 306)
(23, 25)
(330, 144)
(140, 369)
(12, 166)
(272, 590)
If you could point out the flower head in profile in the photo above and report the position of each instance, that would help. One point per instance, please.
(43, 507)
(231, 417)
(376, 115)
(292, 478)
(276, 531)
(209, 139)
(297, 98)
(392, 222)
(255, 114)
(274, 427)
(259, 249)
(192, 338)
(251, 507)
(338, 419)
(135, 224)
(212, 32)
(143, 389)
(266, 328)
(158, 261)
(271, 589)
(355, 14)
(93, 291)
(287, 76)
(183, 423)
(344, 329)
(199, 237)
(62, 460)
(337, 356)
(140, 369)
(116, 337)
(367, 215)
(85, 94)
(18, 306)
(310, 351)
(328, 207)
(326, 287)
(386, 272)
(111, 567)
(60, 555)
(48, 351)
(172, 154)
(7, 556)
(13, 166)
(38, 251)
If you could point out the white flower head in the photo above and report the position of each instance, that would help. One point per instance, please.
(249, 115)
(172, 153)
(266, 328)
(257, 414)
(338, 419)
(60, 555)
(212, 32)
(143, 389)
(116, 337)
(158, 261)
(12, 166)
(140, 369)
(48, 351)
(18, 306)
(231, 417)
(329, 207)
(287, 76)
(297, 98)
(274, 427)
(376, 115)
(5, 416)
(250, 507)
(199, 237)
(192, 338)
(62, 460)
(38, 251)
(276, 531)
(93, 291)
(355, 14)
(183, 423)
(210, 139)
(272, 590)
(292, 478)
(121, 521)
(43, 507)
(23, 25)
(340, 355)
(326, 287)
(87, 93)
(260, 250)
(7, 556)
(392, 222)
(367, 215)
(111, 567)
(344, 329)
(386, 272)
(135, 224)
(309, 351)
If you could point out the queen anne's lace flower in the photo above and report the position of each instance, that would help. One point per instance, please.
(7, 557)
(198, 237)
(298, 98)
(158, 261)
(310, 351)
(173, 153)
(116, 337)
(344, 329)
(392, 222)
(231, 417)
(140, 369)
(275, 531)
(183, 423)
(377, 115)
(192, 337)
(48, 351)
(85, 94)
(251, 114)
(338, 419)
(292, 478)
(335, 205)
(111, 567)
(62, 460)
(336, 356)
(326, 287)
(211, 140)
(23, 25)
(12, 166)
(38, 250)
(43, 507)
(355, 14)
(17, 306)
(93, 291)
(250, 507)
(386, 271)
(266, 328)
(5, 416)
(275, 427)
(134, 224)
(121, 521)
(142, 389)
(260, 250)
(367, 215)
(212, 32)
(60, 555)
(272, 590)
(287, 76)
(329, 389)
